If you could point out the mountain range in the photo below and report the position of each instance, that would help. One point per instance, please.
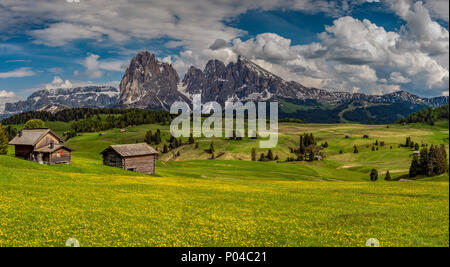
(151, 84)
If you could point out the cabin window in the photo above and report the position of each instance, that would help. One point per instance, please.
(131, 169)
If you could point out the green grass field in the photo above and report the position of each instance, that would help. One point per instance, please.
(230, 201)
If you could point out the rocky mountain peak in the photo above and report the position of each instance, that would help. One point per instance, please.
(149, 83)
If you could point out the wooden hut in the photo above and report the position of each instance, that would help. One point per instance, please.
(133, 157)
(41, 145)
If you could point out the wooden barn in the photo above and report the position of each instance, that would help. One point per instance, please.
(41, 145)
(133, 157)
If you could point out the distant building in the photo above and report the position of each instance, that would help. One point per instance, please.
(41, 145)
(133, 157)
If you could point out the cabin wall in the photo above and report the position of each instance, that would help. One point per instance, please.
(46, 140)
(56, 158)
(23, 151)
(112, 159)
(142, 164)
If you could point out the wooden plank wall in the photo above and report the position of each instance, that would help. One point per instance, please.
(142, 164)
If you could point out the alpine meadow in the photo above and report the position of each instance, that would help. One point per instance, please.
(222, 132)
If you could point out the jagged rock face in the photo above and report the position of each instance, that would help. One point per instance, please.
(149, 83)
(56, 99)
(246, 81)
(242, 80)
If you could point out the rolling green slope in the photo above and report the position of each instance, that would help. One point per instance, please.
(230, 201)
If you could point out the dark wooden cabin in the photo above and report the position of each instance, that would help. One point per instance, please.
(41, 145)
(133, 157)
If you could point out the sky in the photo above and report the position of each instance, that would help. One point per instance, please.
(364, 46)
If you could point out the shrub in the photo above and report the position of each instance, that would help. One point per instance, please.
(374, 175)
(34, 124)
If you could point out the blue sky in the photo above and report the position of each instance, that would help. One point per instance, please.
(359, 46)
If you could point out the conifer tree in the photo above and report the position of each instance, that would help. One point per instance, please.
(388, 176)
(374, 175)
(415, 167)
(253, 154)
(211, 148)
(3, 141)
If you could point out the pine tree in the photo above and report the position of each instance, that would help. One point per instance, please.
(444, 160)
(422, 162)
(431, 162)
(191, 139)
(211, 148)
(270, 155)
(374, 175)
(355, 149)
(196, 145)
(373, 148)
(415, 167)
(148, 137)
(408, 141)
(253, 154)
(3, 141)
(388, 176)
(165, 149)
(262, 157)
(341, 152)
(276, 158)
(416, 146)
(158, 137)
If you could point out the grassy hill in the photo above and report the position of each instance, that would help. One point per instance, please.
(230, 201)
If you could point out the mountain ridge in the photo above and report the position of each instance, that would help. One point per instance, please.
(149, 83)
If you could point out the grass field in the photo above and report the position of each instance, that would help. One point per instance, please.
(230, 201)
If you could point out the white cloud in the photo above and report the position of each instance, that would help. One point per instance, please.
(17, 73)
(397, 77)
(60, 34)
(58, 83)
(6, 97)
(438, 8)
(351, 53)
(430, 35)
(95, 68)
(419, 51)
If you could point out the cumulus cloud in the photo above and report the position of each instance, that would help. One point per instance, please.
(18, 73)
(6, 97)
(397, 77)
(430, 35)
(351, 54)
(95, 68)
(58, 83)
(218, 44)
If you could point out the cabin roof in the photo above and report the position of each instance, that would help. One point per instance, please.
(49, 149)
(31, 137)
(132, 150)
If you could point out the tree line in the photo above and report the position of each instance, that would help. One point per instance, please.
(428, 115)
(430, 162)
(128, 118)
